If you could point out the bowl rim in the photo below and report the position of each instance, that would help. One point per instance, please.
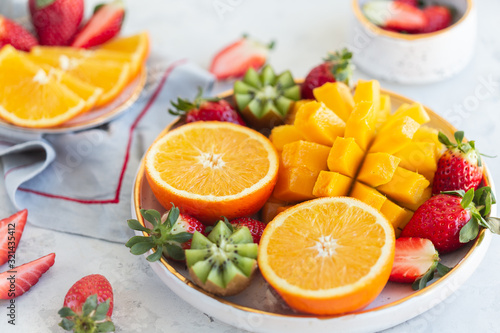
(358, 13)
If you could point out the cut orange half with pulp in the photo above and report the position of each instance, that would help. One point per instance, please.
(212, 169)
(328, 256)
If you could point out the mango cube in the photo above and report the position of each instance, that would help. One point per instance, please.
(378, 169)
(331, 184)
(281, 135)
(428, 134)
(361, 124)
(270, 209)
(426, 195)
(318, 123)
(290, 117)
(396, 215)
(305, 154)
(368, 91)
(406, 187)
(337, 97)
(345, 157)
(295, 184)
(419, 157)
(385, 110)
(368, 195)
(392, 138)
(415, 111)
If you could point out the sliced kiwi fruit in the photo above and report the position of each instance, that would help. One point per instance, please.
(264, 99)
(222, 263)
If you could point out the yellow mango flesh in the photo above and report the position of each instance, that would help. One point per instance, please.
(419, 157)
(270, 209)
(385, 110)
(290, 117)
(331, 184)
(295, 184)
(305, 154)
(396, 215)
(337, 97)
(368, 195)
(406, 187)
(415, 111)
(319, 124)
(428, 134)
(368, 91)
(345, 157)
(284, 134)
(426, 195)
(378, 169)
(361, 124)
(392, 138)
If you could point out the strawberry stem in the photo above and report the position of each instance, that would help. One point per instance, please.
(93, 318)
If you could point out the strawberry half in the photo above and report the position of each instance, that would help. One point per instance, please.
(88, 305)
(11, 230)
(105, 24)
(438, 18)
(395, 15)
(415, 262)
(255, 226)
(15, 35)
(206, 109)
(459, 168)
(56, 21)
(234, 60)
(336, 67)
(19, 280)
(170, 235)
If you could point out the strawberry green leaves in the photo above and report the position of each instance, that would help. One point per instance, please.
(421, 283)
(92, 319)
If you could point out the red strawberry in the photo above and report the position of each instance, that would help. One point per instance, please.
(19, 280)
(15, 35)
(234, 60)
(11, 230)
(438, 18)
(256, 227)
(451, 220)
(395, 15)
(206, 109)
(88, 305)
(337, 67)
(105, 24)
(56, 21)
(459, 168)
(170, 235)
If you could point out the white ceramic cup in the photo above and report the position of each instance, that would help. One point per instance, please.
(419, 58)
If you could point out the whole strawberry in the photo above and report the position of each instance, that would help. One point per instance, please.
(459, 168)
(88, 306)
(438, 18)
(336, 67)
(255, 226)
(452, 219)
(170, 235)
(56, 21)
(15, 35)
(206, 109)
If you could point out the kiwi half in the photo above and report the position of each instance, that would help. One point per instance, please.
(223, 262)
(264, 99)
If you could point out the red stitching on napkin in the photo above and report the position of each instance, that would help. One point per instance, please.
(18, 167)
(127, 154)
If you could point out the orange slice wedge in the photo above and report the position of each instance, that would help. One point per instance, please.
(204, 168)
(137, 46)
(328, 256)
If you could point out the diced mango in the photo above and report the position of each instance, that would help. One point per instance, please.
(416, 111)
(281, 135)
(385, 110)
(406, 187)
(361, 124)
(419, 157)
(290, 117)
(378, 169)
(426, 194)
(392, 138)
(318, 123)
(368, 195)
(428, 134)
(305, 154)
(345, 157)
(295, 184)
(270, 209)
(368, 91)
(396, 215)
(331, 184)
(337, 97)
(282, 209)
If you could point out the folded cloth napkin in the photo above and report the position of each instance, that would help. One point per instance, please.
(81, 182)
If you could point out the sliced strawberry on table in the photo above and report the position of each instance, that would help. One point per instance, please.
(88, 305)
(415, 261)
(234, 60)
(337, 66)
(171, 234)
(206, 109)
(56, 21)
(15, 35)
(18, 280)
(438, 18)
(105, 24)
(11, 230)
(256, 227)
(395, 15)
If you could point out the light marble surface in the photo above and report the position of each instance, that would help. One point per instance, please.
(304, 32)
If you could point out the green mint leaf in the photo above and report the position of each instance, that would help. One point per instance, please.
(101, 311)
(136, 225)
(459, 136)
(67, 324)
(106, 326)
(141, 248)
(442, 269)
(467, 199)
(156, 255)
(469, 231)
(152, 216)
(66, 312)
(175, 252)
(89, 305)
(138, 239)
(181, 237)
(444, 139)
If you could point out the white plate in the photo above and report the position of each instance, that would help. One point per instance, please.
(259, 309)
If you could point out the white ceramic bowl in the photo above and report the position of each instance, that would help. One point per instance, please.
(419, 58)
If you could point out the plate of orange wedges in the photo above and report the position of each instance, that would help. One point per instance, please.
(335, 188)
(62, 89)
